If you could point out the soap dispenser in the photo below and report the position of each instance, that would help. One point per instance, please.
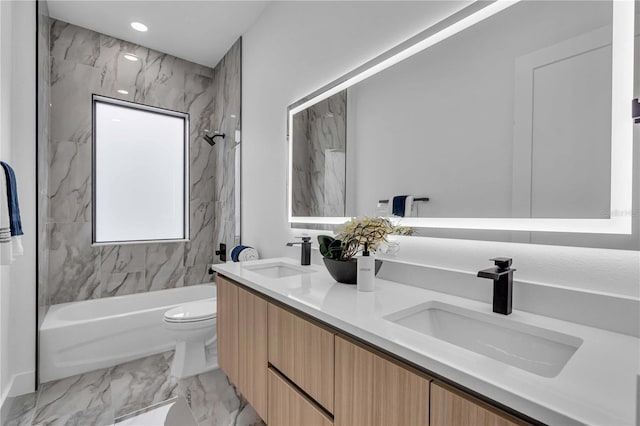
(366, 270)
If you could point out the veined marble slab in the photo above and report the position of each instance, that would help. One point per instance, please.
(81, 63)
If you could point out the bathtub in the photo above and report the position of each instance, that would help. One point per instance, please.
(78, 337)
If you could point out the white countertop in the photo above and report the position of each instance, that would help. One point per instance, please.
(597, 386)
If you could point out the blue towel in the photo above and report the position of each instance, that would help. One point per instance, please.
(12, 200)
(398, 205)
(235, 253)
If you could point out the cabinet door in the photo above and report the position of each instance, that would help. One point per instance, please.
(402, 394)
(354, 384)
(252, 350)
(227, 327)
(373, 390)
(452, 408)
(289, 407)
(303, 352)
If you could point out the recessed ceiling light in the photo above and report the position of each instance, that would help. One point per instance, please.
(139, 26)
(122, 91)
(130, 57)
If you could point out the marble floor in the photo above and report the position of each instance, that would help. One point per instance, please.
(109, 396)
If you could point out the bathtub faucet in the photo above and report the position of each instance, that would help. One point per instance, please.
(222, 252)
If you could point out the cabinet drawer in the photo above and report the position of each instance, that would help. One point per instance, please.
(289, 407)
(451, 407)
(303, 352)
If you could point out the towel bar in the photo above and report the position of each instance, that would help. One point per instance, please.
(414, 200)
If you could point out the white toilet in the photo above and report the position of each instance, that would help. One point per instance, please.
(193, 326)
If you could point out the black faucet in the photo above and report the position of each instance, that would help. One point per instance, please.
(305, 254)
(222, 252)
(502, 276)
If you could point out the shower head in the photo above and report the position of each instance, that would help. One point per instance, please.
(211, 139)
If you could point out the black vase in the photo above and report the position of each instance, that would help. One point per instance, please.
(346, 271)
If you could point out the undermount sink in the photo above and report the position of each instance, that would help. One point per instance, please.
(537, 350)
(278, 269)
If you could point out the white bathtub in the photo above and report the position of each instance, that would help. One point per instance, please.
(83, 336)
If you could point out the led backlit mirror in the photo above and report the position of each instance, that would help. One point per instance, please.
(508, 116)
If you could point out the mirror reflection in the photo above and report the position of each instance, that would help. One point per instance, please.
(509, 118)
(319, 156)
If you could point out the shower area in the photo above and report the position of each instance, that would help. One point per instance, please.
(74, 64)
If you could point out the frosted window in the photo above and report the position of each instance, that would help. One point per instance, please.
(139, 172)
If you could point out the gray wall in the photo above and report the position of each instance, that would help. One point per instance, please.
(84, 62)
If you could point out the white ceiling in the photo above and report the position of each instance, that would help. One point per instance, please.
(198, 31)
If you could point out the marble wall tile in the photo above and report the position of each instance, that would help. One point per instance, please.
(318, 131)
(201, 154)
(141, 383)
(334, 183)
(74, 264)
(164, 266)
(72, 85)
(69, 195)
(197, 274)
(123, 258)
(227, 119)
(83, 62)
(112, 51)
(224, 229)
(327, 133)
(77, 400)
(199, 250)
(301, 177)
(121, 283)
(75, 44)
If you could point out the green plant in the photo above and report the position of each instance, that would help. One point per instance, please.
(353, 235)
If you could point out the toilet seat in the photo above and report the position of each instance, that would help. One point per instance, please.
(197, 311)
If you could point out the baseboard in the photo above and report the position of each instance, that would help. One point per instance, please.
(19, 384)
(22, 383)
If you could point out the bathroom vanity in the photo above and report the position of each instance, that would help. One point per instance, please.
(304, 349)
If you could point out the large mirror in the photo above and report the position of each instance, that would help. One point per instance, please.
(507, 116)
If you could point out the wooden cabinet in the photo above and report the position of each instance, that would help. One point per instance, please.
(252, 350)
(242, 341)
(296, 372)
(304, 352)
(374, 390)
(289, 407)
(451, 407)
(227, 327)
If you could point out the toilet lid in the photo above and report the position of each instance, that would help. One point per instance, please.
(192, 311)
